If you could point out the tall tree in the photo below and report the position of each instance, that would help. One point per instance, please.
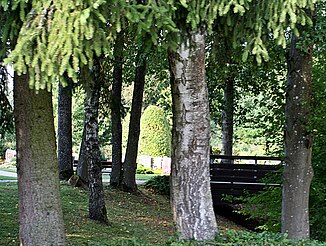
(191, 194)
(65, 130)
(92, 80)
(227, 116)
(130, 165)
(116, 175)
(40, 214)
(298, 171)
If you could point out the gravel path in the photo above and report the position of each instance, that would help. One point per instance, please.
(12, 174)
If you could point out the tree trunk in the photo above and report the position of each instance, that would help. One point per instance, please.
(40, 214)
(130, 165)
(65, 131)
(190, 180)
(227, 118)
(298, 171)
(82, 167)
(116, 175)
(97, 210)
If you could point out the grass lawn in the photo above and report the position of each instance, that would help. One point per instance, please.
(8, 169)
(145, 176)
(138, 176)
(7, 178)
(134, 220)
(142, 218)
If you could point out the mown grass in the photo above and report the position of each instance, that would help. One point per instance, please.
(12, 170)
(144, 218)
(7, 178)
(9, 214)
(138, 176)
(134, 220)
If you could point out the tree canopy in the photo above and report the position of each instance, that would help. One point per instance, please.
(61, 36)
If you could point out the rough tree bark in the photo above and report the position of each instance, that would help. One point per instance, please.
(40, 214)
(130, 165)
(298, 171)
(92, 84)
(65, 131)
(190, 181)
(116, 175)
(227, 117)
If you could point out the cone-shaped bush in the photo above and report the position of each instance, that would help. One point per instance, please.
(155, 133)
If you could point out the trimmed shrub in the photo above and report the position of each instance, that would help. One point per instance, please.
(155, 133)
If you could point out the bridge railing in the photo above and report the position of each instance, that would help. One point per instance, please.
(236, 175)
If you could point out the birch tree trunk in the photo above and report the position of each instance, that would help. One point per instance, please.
(116, 175)
(298, 171)
(97, 209)
(190, 180)
(65, 131)
(40, 214)
(130, 165)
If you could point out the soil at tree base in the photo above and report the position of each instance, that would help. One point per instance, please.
(240, 222)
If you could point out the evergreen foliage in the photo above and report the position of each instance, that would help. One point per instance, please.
(155, 133)
(59, 37)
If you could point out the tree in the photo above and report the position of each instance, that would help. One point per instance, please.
(130, 165)
(92, 81)
(191, 194)
(155, 134)
(6, 114)
(116, 175)
(65, 131)
(40, 214)
(227, 117)
(298, 171)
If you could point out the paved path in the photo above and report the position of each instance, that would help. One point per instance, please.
(11, 174)
(8, 174)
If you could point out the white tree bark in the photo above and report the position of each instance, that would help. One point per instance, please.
(190, 181)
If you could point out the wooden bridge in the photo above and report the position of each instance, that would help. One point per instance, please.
(233, 175)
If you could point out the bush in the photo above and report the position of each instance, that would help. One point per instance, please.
(143, 170)
(155, 133)
(159, 184)
(232, 237)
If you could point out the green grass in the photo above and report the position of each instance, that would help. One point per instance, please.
(7, 178)
(9, 214)
(145, 176)
(8, 169)
(134, 220)
(138, 176)
(144, 218)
